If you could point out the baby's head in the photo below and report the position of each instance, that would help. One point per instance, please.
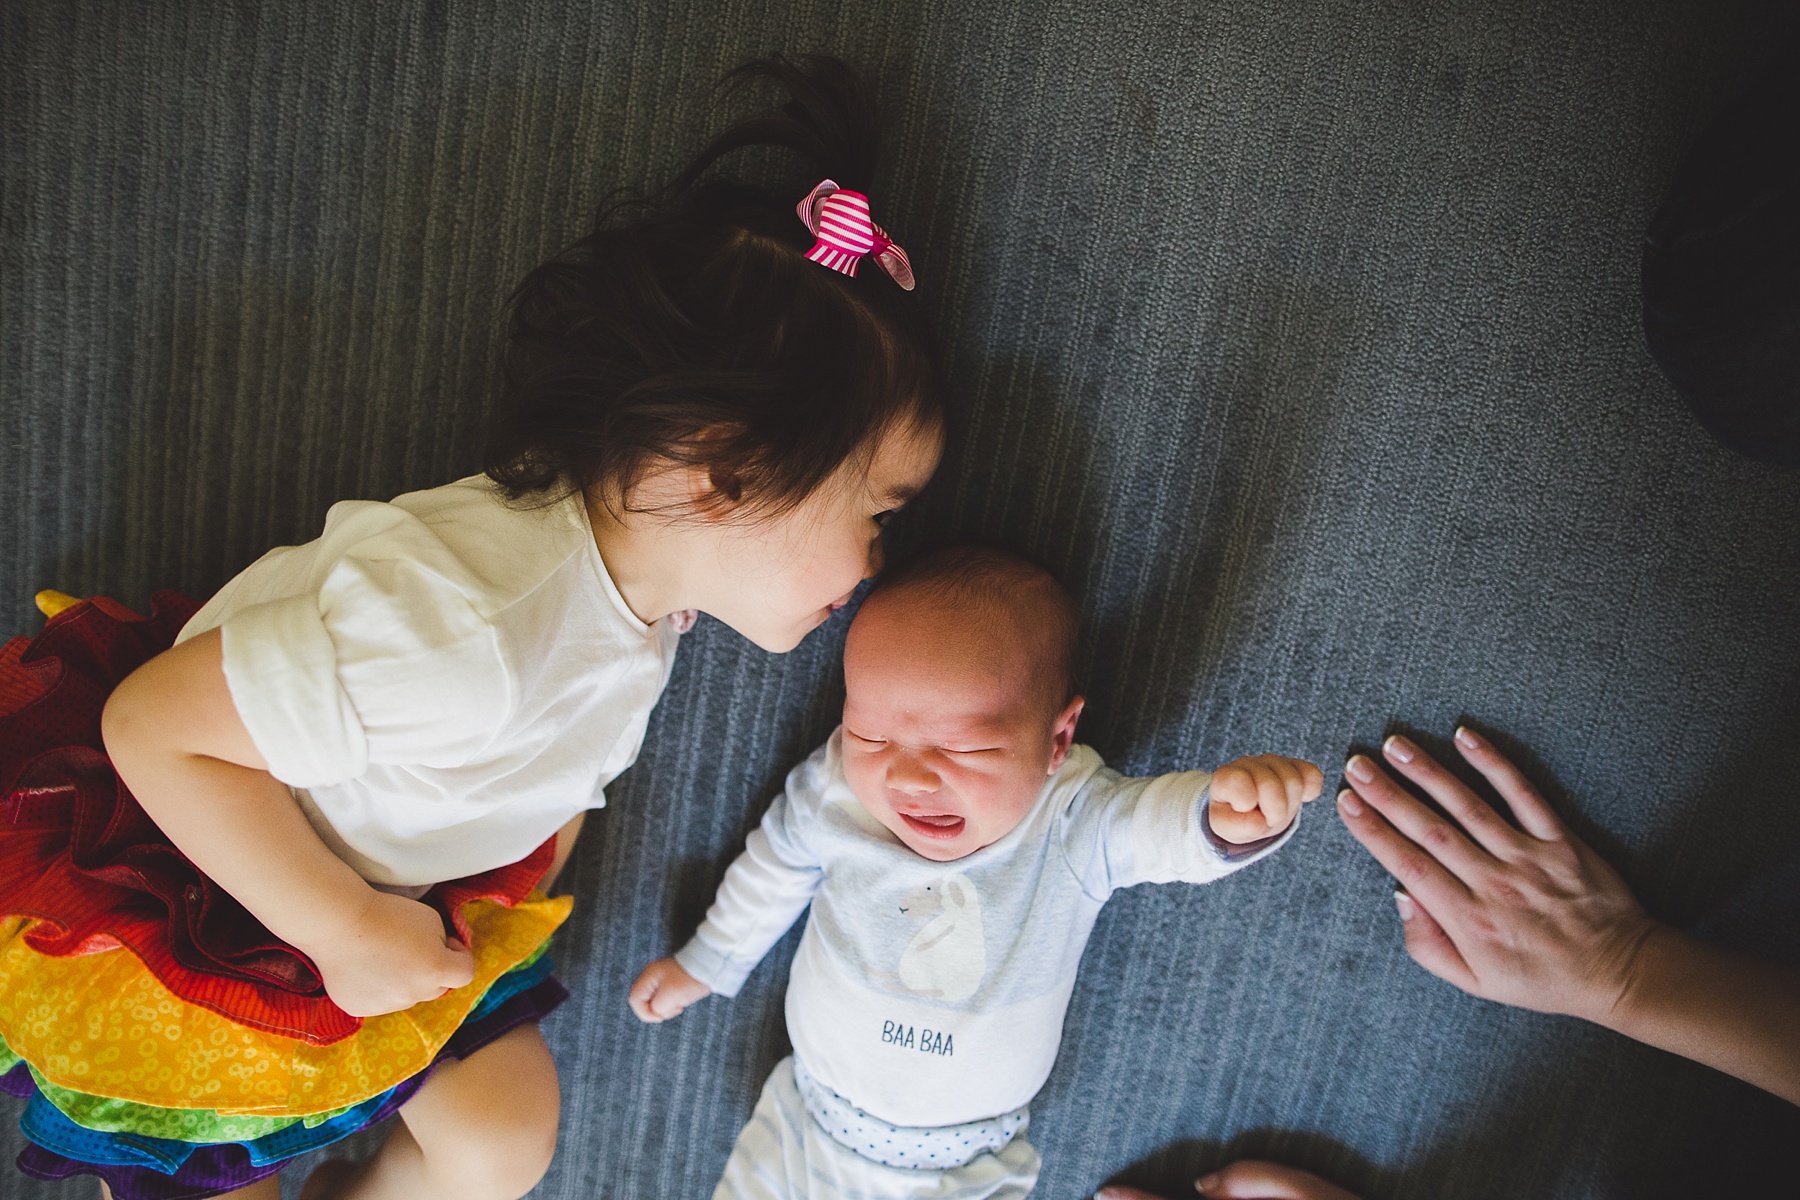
(958, 697)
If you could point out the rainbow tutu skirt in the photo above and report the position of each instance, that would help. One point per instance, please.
(161, 1037)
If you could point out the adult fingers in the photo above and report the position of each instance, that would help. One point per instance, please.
(1430, 946)
(1473, 813)
(1421, 874)
(1254, 1179)
(1431, 832)
(1535, 815)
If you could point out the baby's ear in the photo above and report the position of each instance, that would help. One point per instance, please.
(1062, 733)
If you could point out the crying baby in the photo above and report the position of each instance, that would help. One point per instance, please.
(956, 846)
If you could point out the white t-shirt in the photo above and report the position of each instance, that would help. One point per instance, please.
(444, 680)
(932, 993)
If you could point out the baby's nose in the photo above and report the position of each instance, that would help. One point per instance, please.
(912, 778)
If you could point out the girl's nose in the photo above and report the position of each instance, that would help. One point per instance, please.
(877, 558)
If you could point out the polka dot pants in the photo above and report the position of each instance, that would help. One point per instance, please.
(785, 1153)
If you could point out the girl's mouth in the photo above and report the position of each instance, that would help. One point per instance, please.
(939, 827)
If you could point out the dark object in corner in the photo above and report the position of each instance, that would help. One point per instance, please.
(1722, 270)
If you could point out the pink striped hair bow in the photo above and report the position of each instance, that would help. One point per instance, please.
(839, 219)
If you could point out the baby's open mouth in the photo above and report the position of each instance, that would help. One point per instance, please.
(941, 826)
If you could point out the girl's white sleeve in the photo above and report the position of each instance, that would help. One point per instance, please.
(382, 655)
(1123, 831)
(767, 887)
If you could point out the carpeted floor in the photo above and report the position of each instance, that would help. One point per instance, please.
(1302, 337)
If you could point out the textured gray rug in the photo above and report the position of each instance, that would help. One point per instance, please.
(1301, 336)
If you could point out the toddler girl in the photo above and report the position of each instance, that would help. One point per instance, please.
(401, 724)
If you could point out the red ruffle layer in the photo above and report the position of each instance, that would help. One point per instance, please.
(78, 853)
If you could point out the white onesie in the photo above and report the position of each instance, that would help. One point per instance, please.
(929, 994)
(443, 680)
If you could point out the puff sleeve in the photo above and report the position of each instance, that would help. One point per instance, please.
(382, 655)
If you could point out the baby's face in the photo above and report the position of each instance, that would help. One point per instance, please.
(947, 737)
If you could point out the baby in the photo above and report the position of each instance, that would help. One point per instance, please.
(956, 847)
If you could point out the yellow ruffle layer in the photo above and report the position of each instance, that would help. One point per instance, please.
(104, 1025)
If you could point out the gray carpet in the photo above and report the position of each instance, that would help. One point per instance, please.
(1301, 336)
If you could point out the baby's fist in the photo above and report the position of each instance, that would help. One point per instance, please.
(1258, 797)
(664, 990)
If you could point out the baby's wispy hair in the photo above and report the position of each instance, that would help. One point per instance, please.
(996, 582)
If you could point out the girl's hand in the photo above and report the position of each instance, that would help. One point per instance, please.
(1529, 916)
(1248, 1179)
(665, 990)
(1255, 798)
(393, 956)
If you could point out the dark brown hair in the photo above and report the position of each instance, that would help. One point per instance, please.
(690, 327)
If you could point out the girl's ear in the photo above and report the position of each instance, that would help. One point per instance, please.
(1062, 734)
(714, 487)
(725, 483)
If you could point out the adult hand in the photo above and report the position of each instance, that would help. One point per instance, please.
(1533, 917)
(1530, 916)
(1248, 1179)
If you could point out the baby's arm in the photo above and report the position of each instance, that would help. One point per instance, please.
(763, 893)
(178, 743)
(1167, 829)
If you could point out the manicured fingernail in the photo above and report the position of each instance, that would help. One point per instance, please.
(1466, 737)
(1404, 903)
(1348, 804)
(1360, 769)
(1206, 1183)
(1398, 749)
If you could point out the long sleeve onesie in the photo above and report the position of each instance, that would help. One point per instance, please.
(932, 993)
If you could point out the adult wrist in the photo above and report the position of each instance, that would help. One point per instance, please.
(1643, 958)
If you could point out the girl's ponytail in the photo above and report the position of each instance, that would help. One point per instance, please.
(697, 332)
(829, 119)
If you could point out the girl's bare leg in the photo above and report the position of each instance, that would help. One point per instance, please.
(483, 1128)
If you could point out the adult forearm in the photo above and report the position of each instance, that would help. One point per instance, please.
(1737, 1014)
(243, 828)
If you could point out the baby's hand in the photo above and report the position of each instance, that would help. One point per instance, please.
(394, 956)
(664, 990)
(1258, 797)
